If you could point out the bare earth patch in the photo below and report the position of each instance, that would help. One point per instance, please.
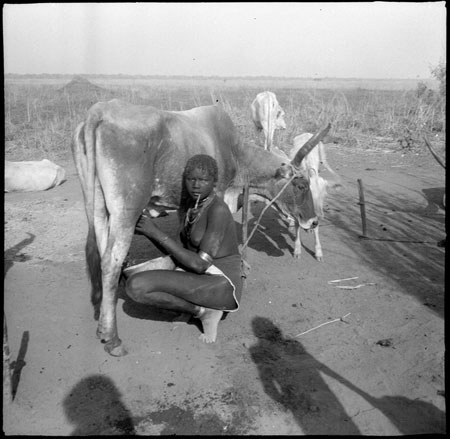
(378, 371)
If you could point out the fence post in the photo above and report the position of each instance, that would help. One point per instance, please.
(362, 206)
(244, 231)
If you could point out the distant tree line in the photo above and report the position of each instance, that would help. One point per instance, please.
(125, 76)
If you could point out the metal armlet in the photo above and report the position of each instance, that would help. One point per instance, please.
(205, 257)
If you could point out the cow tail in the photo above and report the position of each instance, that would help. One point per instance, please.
(85, 149)
(94, 269)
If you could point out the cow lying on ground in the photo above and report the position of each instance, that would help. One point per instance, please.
(267, 116)
(318, 186)
(32, 176)
(129, 157)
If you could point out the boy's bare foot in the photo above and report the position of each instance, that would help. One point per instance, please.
(210, 319)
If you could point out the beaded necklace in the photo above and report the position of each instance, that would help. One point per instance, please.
(193, 214)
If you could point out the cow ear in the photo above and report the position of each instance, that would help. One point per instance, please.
(284, 171)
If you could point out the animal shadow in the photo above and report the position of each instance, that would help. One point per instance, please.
(94, 407)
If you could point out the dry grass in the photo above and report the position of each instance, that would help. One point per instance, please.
(40, 115)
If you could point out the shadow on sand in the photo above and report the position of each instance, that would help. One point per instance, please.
(293, 378)
(12, 255)
(94, 407)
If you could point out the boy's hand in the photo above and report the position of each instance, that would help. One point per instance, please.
(145, 226)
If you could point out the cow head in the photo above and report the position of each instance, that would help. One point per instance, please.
(296, 200)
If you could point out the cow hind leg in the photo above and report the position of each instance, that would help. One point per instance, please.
(119, 242)
(95, 248)
(101, 235)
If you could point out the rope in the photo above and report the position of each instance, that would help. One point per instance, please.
(265, 208)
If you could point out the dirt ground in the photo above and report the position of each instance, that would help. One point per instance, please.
(375, 368)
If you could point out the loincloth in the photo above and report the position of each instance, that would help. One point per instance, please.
(228, 267)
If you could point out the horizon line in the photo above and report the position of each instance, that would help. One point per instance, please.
(156, 76)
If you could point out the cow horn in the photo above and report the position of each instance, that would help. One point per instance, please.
(309, 145)
(438, 159)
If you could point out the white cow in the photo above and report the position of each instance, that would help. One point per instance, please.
(267, 115)
(32, 176)
(318, 186)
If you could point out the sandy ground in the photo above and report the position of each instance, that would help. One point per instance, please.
(377, 371)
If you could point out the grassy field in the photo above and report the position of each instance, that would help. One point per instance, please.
(41, 113)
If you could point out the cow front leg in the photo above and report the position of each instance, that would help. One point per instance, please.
(317, 247)
(298, 243)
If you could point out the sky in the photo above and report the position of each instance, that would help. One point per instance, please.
(292, 39)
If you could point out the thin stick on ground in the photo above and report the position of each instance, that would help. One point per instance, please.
(323, 324)
(353, 287)
(340, 280)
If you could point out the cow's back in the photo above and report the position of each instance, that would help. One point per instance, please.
(206, 130)
(150, 147)
(262, 107)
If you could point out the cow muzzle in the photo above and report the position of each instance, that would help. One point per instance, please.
(309, 225)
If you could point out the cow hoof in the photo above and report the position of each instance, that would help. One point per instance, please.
(115, 348)
(319, 258)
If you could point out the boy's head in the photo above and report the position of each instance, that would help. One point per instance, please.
(205, 163)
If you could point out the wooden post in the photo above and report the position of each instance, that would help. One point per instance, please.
(245, 219)
(362, 206)
(7, 384)
(244, 228)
